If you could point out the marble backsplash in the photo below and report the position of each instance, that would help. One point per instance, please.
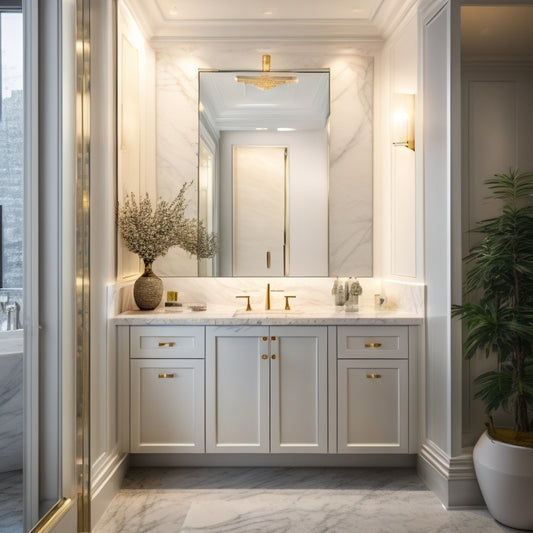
(309, 292)
(351, 134)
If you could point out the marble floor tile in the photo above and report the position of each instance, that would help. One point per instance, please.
(11, 502)
(277, 500)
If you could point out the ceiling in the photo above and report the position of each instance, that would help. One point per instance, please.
(269, 19)
(497, 31)
(485, 30)
(228, 105)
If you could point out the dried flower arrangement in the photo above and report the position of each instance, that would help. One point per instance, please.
(150, 232)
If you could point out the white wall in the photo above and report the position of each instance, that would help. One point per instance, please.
(398, 204)
(106, 447)
(497, 133)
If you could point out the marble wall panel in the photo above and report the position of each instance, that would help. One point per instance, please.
(351, 132)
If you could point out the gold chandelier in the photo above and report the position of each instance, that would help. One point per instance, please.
(265, 82)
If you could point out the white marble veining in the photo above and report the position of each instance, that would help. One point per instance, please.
(11, 363)
(314, 303)
(350, 180)
(306, 500)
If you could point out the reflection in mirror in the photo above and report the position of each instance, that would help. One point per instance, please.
(294, 117)
(259, 206)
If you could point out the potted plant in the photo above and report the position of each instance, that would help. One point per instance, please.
(150, 233)
(498, 319)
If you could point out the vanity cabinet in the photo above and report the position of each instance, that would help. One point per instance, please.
(167, 389)
(373, 389)
(266, 389)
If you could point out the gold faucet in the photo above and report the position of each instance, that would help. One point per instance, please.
(267, 297)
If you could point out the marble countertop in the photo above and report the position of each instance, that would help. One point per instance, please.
(229, 316)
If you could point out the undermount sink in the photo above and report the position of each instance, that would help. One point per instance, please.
(266, 313)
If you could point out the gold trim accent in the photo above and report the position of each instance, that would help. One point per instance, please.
(83, 385)
(53, 516)
(372, 344)
(165, 375)
(373, 376)
(166, 344)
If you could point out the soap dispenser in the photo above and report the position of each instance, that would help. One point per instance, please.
(340, 296)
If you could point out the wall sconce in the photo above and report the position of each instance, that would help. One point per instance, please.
(403, 120)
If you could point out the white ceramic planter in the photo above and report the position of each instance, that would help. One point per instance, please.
(505, 476)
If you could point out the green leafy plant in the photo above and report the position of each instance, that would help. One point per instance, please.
(150, 232)
(499, 286)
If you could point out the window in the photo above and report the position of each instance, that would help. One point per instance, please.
(11, 148)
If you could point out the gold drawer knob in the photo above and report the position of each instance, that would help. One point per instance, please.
(372, 344)
(373, 376)
(166, 344)
(264, 356)
(274, 356)
(164, 375)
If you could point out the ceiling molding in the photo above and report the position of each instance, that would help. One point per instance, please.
(159, 29)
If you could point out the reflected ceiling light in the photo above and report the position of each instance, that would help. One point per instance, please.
(265, 82)
(286, 129)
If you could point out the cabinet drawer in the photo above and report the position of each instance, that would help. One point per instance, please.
(162, 342)
(373, 341)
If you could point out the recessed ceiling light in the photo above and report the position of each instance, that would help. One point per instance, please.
(173, 10)
(268, 12)
(357, 10)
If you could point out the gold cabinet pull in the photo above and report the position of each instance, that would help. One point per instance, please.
(165, 375)
(264, 356)
(268, 259)
(372, 344)
(166, 344)
(272, 338)
(273, 356)
(373, 376)
(264, 338)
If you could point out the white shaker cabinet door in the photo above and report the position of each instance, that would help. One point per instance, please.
(237, 395)
(167, 405)
(298, 365)
(373, 415)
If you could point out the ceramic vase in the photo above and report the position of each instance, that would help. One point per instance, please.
(148, 289)
(505, 476)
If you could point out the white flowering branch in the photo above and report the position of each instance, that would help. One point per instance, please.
(150, 232)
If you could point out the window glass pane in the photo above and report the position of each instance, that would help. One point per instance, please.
(11, 150)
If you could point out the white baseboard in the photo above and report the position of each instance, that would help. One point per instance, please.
(266, 460)
(452, 479)
(107, 484)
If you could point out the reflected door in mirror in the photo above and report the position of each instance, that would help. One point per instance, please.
(259, 202)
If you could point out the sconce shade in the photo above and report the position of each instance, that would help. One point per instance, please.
(403, 120)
